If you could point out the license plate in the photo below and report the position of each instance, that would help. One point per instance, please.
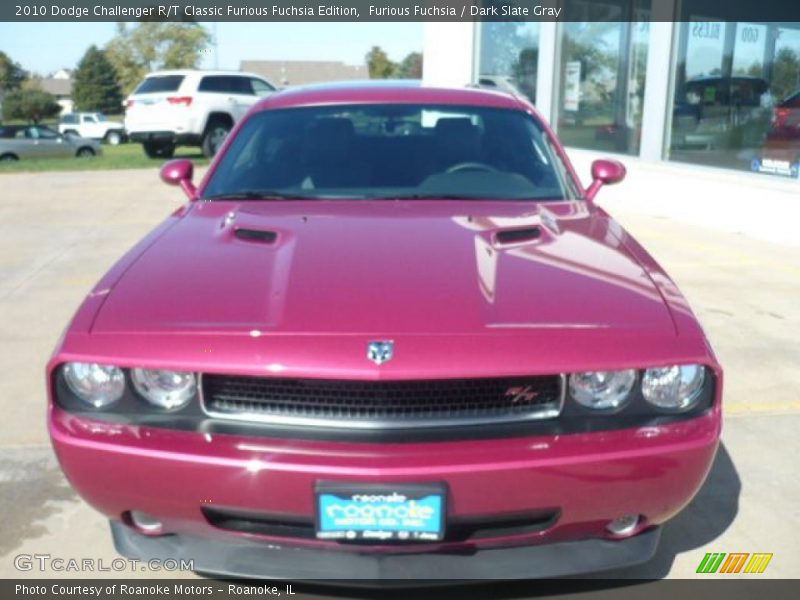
(380, 513)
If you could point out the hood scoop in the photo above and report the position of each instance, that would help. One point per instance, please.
(518, 236)
(256, 235)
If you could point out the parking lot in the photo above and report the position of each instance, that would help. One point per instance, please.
(60, 231)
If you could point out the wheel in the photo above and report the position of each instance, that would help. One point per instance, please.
(71, 133)
(85, 152)
(9, 158)
(113, 138)
(215, 134)
(159, 149)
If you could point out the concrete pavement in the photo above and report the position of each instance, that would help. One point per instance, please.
(60, 231)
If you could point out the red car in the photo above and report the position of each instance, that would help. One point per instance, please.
(390, 336)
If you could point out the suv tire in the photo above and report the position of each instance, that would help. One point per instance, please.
(215, 134)
(159, 149)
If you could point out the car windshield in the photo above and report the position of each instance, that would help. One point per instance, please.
(390, 151)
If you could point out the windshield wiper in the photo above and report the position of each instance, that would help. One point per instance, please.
(426, 196)
(261, 195)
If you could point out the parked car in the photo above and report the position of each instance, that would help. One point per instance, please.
(190, 108)
(363, 350)
(37, 141)
(92, 126)
(782, 142)
(708, 109)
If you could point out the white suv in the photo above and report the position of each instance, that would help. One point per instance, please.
(92, 125)
(190, 108)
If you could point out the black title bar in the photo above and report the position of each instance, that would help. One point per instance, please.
(399, 10)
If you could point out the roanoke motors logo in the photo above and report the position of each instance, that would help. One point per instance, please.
(734, 562)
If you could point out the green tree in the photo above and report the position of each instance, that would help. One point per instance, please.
(410, 67)
(148, 46)
(30, 105)
(95, 86)
(11, 74)
(785, 73)
(379, 65)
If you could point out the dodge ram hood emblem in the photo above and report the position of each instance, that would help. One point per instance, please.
(380, 352)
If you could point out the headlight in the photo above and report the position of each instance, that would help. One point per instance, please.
(98, 385)
(673, 388)
(164, 389)
(602, 389)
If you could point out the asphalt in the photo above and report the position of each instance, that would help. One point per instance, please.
(59, 232)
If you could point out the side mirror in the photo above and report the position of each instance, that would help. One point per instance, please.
(604, 172)
(180, 172)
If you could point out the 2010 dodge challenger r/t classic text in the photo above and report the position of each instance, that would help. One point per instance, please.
(389, 336)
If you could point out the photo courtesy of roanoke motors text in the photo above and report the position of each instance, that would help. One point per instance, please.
(412, 299)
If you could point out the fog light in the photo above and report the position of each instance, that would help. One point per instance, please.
(624, 525)
(145, 523)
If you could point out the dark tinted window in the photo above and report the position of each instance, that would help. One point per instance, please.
(391, 151)
(69, 119)
(160, 84)
(225, 84)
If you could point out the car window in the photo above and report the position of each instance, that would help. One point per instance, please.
(89, 119)
(69, 119)
(241, 85)
(391, 151)
(225, 84)
(212, 83)
(159, 84)
(45, 133)
(260, 87)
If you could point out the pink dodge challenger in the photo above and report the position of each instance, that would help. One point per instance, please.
(389, 336)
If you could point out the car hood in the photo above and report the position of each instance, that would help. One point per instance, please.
(384, 268)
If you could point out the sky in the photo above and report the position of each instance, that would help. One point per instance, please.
(61, 45)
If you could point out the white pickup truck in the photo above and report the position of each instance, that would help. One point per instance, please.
(92, 125)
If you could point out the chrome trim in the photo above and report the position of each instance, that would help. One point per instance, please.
(365, 424)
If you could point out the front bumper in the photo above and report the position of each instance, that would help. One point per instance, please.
(248, 558)
(589, 479)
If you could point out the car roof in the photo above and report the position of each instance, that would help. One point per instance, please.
(202, 72)
(386, 92)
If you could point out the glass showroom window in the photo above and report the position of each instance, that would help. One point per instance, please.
(737, 95)
(509, 56)
(602, 75)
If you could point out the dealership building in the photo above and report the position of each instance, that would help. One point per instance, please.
(662, 80)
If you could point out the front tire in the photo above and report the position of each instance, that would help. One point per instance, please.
(214, 136)
(9, 158)
(159, 149)
(113, 138)
(85, 152)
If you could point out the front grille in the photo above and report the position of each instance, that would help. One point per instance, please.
(382, 404)
(456, 530)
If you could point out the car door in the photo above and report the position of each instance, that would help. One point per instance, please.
(28, 145)
(50, 144)
(90, 128)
